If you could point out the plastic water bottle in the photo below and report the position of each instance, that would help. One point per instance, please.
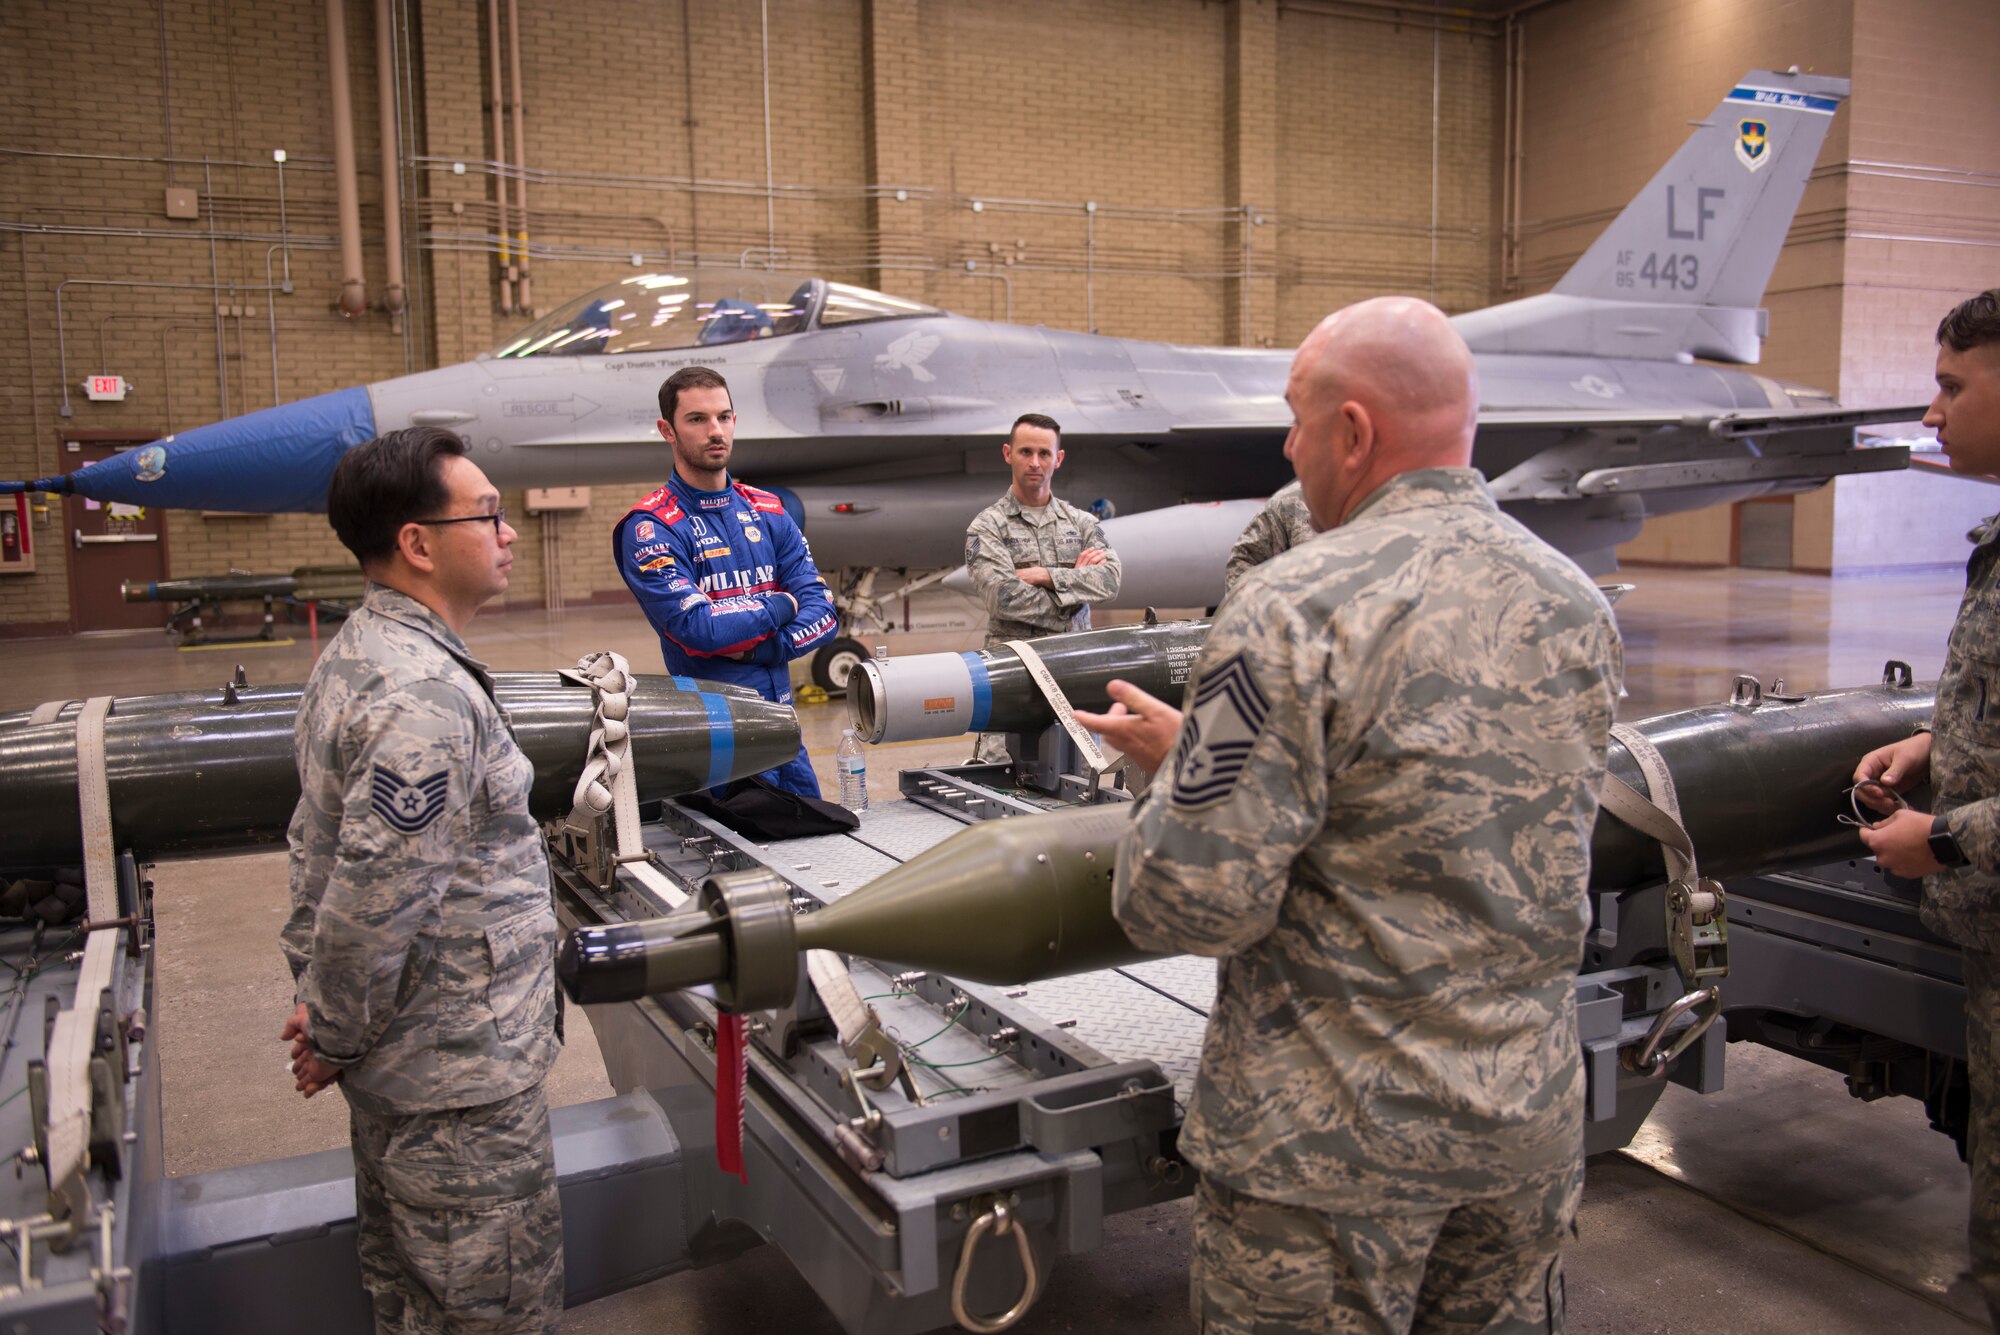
(852, 767)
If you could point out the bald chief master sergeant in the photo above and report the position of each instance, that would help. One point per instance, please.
(422, 935)
(1377, 813)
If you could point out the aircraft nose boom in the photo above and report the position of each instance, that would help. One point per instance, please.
(276, 459)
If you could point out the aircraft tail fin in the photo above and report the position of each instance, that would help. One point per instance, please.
(1707, 228)
(1681, 272)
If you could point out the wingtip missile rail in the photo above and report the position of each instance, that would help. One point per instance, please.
(1015, 901)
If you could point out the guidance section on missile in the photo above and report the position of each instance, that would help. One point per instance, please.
(990, 690)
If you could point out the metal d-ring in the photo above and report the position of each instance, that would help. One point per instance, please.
(998, 1220)
(1649, 1060)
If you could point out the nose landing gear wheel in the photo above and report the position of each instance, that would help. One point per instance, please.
(833, 663)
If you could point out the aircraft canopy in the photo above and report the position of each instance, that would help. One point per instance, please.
(651, 312)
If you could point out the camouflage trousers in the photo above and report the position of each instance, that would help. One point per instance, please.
(1982, 1141)
(460, 1225)
(1486, 1265)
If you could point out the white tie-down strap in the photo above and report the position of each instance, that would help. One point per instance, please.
(1644, 811)
(851, 1016)
(1086, 745)
(608, 784)
(73, 1037)
(48, 711)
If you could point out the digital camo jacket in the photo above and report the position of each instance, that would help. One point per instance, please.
(1378, 813)
(1963, 905)
(422, 937)
(1283, 523)
(1005, 537)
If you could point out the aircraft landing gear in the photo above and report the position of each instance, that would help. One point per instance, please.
(833, 663)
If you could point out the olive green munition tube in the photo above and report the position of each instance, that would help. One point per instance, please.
(205, 775)
(989, 690)
(998, 902)
(509, 686)
(1013, 901)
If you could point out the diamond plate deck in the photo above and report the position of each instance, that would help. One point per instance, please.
(828, 866)
(903, 829)
(1124, 1020)
(1155, 1011)
(1189, 979)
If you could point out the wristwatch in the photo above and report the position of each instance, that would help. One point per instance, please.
(1943, 847)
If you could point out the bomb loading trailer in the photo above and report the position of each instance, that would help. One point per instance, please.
(925, 1146)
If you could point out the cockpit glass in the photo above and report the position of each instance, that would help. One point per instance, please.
(652, 312)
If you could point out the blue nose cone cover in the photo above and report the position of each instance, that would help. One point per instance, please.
(279, 459)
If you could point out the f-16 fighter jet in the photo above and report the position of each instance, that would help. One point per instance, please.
(1612, 398)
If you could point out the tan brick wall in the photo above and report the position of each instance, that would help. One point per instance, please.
(1894, 226)
(1357, 103)
(238, 90)
(1610, 89)
(645, 134)
(1922, 237)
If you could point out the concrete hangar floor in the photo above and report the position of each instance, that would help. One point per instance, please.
(1780, 1204)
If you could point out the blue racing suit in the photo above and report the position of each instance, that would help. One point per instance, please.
(707, 568)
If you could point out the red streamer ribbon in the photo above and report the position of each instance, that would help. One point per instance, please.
(732, 1068)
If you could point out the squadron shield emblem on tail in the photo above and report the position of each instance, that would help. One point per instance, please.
(1753, 143)
(1223, 724)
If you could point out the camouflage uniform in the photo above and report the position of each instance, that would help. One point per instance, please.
(1963, 905)
(1007, 536)
(1378, 814)
(422, 942)
(1283, 523)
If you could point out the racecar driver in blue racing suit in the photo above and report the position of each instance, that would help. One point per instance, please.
(719, 568)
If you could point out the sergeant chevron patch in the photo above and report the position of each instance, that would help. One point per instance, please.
(1223, 724)
(408, 807)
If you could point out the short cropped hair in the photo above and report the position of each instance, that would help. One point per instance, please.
(1042, 420)
(1973, 323)
(383, 484)
(688, 377)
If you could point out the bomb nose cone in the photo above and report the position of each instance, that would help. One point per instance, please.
(275, 459)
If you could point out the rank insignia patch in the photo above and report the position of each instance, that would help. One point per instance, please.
(1228, 713)
(408, 807)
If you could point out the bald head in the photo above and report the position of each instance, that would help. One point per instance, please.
(1386, 386)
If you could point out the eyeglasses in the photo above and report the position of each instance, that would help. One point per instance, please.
(497, 518)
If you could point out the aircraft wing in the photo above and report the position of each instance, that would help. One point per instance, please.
(1724, 425)
(1712, 449)
(1721, 424)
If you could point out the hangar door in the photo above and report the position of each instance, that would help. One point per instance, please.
(109, 544)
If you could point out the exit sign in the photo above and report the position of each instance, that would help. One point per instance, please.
(105, 387)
